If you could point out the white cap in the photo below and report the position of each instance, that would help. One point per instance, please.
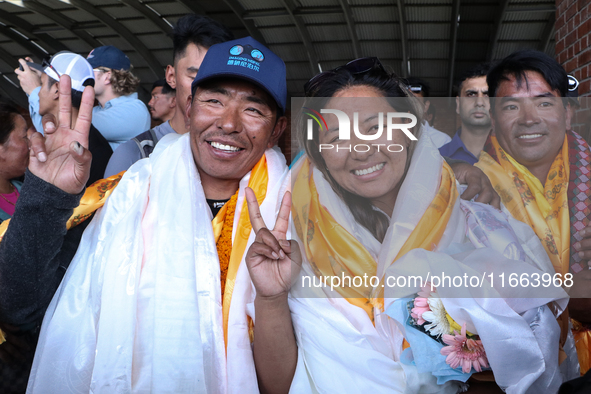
(74, 65)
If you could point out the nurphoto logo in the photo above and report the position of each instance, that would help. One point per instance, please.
(392, 123)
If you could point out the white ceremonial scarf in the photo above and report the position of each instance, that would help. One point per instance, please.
(340, 350)
(139, 309)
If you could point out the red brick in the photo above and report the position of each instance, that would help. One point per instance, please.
(560, 21)
(570, 25)
(571, 65)
(584, 87)
(571, 52)
(559, 46)
(585, 57)
(571, 11)
(570, 38)
(561, 57)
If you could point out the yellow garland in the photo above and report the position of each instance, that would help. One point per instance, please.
(224, 242)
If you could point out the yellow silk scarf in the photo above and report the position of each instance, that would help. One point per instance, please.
(94, 197)
(543, 208)
(259, 178)
(333, 251)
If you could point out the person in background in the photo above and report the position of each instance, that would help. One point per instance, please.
(473, 106)
(14, 157)
(163, 101)
(540, 168)
(192, 37)
(120, 115)
(80, 71)
(421, 89)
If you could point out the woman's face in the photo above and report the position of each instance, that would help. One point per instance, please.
(365, 168)
(14, 153)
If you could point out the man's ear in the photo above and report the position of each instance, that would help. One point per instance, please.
(278, 130)
(457, 105)
(106, 77)
(55, 91)
(171, 76)
(188, 112)
(172, 102)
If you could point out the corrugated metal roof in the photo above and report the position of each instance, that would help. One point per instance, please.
(375, 26)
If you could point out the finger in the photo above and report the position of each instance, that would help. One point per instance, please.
(254, 213)
(282, 222)
(38, 149)
(264, 236)
(472, 190)
(85, 115)
(584, 244)
(65, 102)
(496, 200)
(83, 157)
(48, 122)
(259, 249)
(586, 232)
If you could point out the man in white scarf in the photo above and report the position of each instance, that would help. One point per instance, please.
(142, 307)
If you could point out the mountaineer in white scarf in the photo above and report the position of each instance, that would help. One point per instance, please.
(157, 297)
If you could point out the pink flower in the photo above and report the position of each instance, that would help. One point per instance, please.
(464, 352)
(421, 304)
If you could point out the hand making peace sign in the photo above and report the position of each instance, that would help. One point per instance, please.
(269, 258)
(62, 157)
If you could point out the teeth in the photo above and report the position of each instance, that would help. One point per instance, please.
(375, 168)
(228, 148)
(528, 136)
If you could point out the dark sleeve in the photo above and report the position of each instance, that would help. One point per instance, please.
(451, 161)
(101, 153)
(35, 251)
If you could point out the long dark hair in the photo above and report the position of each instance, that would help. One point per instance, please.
(391, 86)
(7, 120)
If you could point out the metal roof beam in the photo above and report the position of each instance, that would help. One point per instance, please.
(492, 46)
(530, 8)
(549, 31)
(63, 21)
(13, 93)
(128, 36)
(403, 35)
(23, 41)
(455, 22)
(305, 36)
(27, 29)
(239, 10)
(151, 14)
(351, 27)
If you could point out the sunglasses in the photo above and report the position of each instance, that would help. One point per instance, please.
(45, 64)
(357, 66)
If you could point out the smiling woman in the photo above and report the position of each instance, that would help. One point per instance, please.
(364, 215)
(14, 157)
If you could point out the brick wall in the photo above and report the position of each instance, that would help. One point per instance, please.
(573, 52)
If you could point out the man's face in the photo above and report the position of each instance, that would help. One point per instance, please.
(184, 71)
(47, 95)
(530, 121)
(102, 77)
(232, 123)
(473, 104)
(161, 105)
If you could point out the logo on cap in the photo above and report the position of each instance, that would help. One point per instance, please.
(236, 50)
(257, 55)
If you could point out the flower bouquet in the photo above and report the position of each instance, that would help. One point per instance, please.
(438, 344)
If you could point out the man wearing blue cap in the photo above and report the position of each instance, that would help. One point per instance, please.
(120, 115)
(158, 297)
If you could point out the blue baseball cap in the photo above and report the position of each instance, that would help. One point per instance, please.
(110, 57)
(248, 59)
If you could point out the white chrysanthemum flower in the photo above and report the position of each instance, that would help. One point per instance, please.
(438, 323)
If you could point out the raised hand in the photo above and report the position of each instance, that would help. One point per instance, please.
(29, 78)
(62, 157)
(269, 258)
